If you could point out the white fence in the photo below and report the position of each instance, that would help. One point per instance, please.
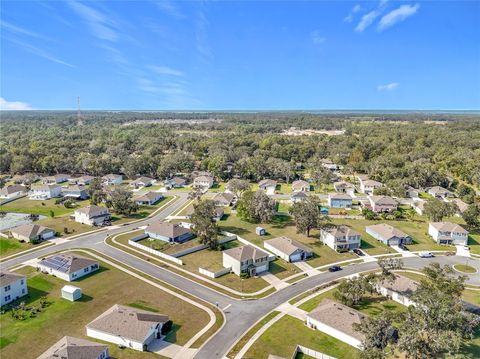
(214, 274)
(201, 247)
(271, 257)
(310, 352)
(133, 243)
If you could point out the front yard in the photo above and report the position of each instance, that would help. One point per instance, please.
(40, 207)
(100, 291)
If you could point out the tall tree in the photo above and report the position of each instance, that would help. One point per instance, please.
(256, 207)
(351, 291)
(204, 226)
(238, 186)
(472, 215)
(120, 201)
(380, 336)
(436, 210)
(306, 214)
(96, 191)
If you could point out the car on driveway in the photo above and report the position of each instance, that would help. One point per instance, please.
(358, 252)
(334, 268)
(425, 254)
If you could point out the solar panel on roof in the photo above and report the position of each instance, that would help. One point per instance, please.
(61, 264)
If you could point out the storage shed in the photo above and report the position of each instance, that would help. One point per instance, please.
(71, 293)
(260, 231)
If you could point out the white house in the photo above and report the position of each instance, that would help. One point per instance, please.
(400, 289)
(32, 233)
(129, 327)
(439, 192)
(83, 180)
(388, 235)
(175, 182)
(328, 164)
(92, 215)
(71, 293)
(336, 320)
(12, 287)
(142, 182)
(448, 233)
(12, 191)
(418, 205)
(76, 191)
(345, 187)
(45, 192)
(68, 266)
(169, 232)
(268, 186)
(247, 259)
(112, 179)
(339, 200)
(204, 182)
(55, 179)
(300, 186)
(341, 238)
(296, 197)
(223, 199)
(76, 348)
(288, 249)
(381, 204)
(149, 198)
(367, 186)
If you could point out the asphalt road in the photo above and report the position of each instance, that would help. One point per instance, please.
(240, 315)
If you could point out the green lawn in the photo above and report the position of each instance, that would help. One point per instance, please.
(284, 188)
(100, 291)
(283, 206)
(25, 205)
(9, 246)
(217, 187)
(464, 268)
(474, 242)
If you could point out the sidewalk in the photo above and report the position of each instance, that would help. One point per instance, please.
(403, 252)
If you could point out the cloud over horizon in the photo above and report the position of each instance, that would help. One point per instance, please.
(13, 105)
(388, 87)
(398, 15)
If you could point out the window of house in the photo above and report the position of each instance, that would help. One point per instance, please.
(7, 298)
(85, 270)
(21, 282)
(7, 288)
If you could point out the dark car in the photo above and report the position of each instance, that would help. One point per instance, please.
(358, 252)
(334, 269)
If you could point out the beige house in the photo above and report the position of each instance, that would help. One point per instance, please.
(129, 327)
(142, 182)
(300, 186)
(341, 238)
(223, 199)
(462, 206)
(381, 204)
(12, 191)
(439, 192)
(68, 266)
(388, 235)
(448, 233)
(247, 259)
(32, 233)
(288, 249)
(400, 289)
(92, 215)
(149, 198)
(75, 348)
(204, 182)
(268, 185)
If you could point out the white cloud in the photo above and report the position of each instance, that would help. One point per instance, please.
(388, 87)
(367, 20)
(21, 31)
(317, 38)
(165, 70)
(13, 105)
(397, 15)
(100, 25)
(170, 9)
(355, 9)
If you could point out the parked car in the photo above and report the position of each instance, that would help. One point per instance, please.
(450, 253)
(403, 246)
(358, 252)
(334, 268)
(425, 254)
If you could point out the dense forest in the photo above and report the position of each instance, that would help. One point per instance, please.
(416, 149)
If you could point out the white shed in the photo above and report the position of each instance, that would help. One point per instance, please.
(71, 293)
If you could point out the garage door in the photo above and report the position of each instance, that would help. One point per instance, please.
(295, 257)
(261, 269)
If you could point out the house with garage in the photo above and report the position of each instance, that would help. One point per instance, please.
(78, 192)
(344, 187)
(246, 259)
(219, 213)
(368, 186)
(439, 192)
(448, 233)
(42, 192)
(300, 186)
(83, 180)
(388, 235)
(381, 204)
(204, 182)
(169, 232)
(339, 200)
(341, 238)
(75, 348)
(418, 205)
(68, 266)
(462, 206)
(112, 179)
(288, 249)
(55, 179)
(32, 233)
(296, 197)
(268, 185)
(400, 289)
(175, 182)
(142, 182)
(92, 215)
(328, 164)
(12, 191)
(128, 327)
(12, 287)
(411, 192)
(149, 198)
(224, 199)
(336, 320)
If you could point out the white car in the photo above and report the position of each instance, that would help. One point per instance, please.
(425, 254)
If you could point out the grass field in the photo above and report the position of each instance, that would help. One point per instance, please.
(464, 268)
(9, 246)
(25, 205)
(101, 290)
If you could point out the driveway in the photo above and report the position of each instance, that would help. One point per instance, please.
(271, 279)
(306, 268)
(462, 251)
(403, 252)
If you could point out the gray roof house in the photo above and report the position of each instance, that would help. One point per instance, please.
(68, 266)
(224, 199)
(246, 259)
(268, 185)
(142, 182)
(75, 348)
(12, 191)
(288, 249)
(75, 191)
(439, 192)
(300, 186)
(149, 198)
(387, 234)
(341, 238)
(298, 197)
(400, 289)
(169, 232)
(32, 232)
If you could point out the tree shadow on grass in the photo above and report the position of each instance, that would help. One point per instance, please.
(276, 268)
(171, 337)
(235, 230)
(365, 245)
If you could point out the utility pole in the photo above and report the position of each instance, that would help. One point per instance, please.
(79, 114)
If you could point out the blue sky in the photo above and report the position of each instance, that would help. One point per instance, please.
(240, 55)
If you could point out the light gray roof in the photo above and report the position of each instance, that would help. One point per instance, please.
(341, 231)
(462, 206)
(383, 200)
(127, 322)
(149, 196)
(74, 348)
(142, 180)
(12, 189)
(438, 189)
(47, 187)
(287, 245)
(338, 316)
(386, 231)
(170, 230)
(300, 184)
(224, 197)
(299, 194)
(111, 176)
(30, 230)
(372, 183)
(342, 196)
(245, 253)
(92, 210)
(67, 262)
(400, 284)
(7, 278)
(267, 183)
(448, 227)
(203, 179)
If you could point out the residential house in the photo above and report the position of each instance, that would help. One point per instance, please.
(400, 289)
(388, 235)
(32, 233)
(83, 180)
(339, 200)
(223, 199)
(288, 249)
(380, 204)
(45, 192)
(418, 206)
(149, 198)
(268, 186)
(336, 320)
(68, 266)
(219, 213)
(440, 192)
(296, 197)
(129, 327)
(411, 192)
(12, 191)
(341, 238)
(448, 233)
(344, 187)
(78, 192)
(367, 186)
(25, 179)
(462, 206)
(175, 182)
(12, 287)
(142, 182)
(300, 186)
(247, 259)
(112, 179)
(55, 179)
(75, 348)
(204, 182)
(328, 164)
(169, 232)
(92, 215)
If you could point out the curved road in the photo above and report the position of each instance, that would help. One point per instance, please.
(240, 315)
